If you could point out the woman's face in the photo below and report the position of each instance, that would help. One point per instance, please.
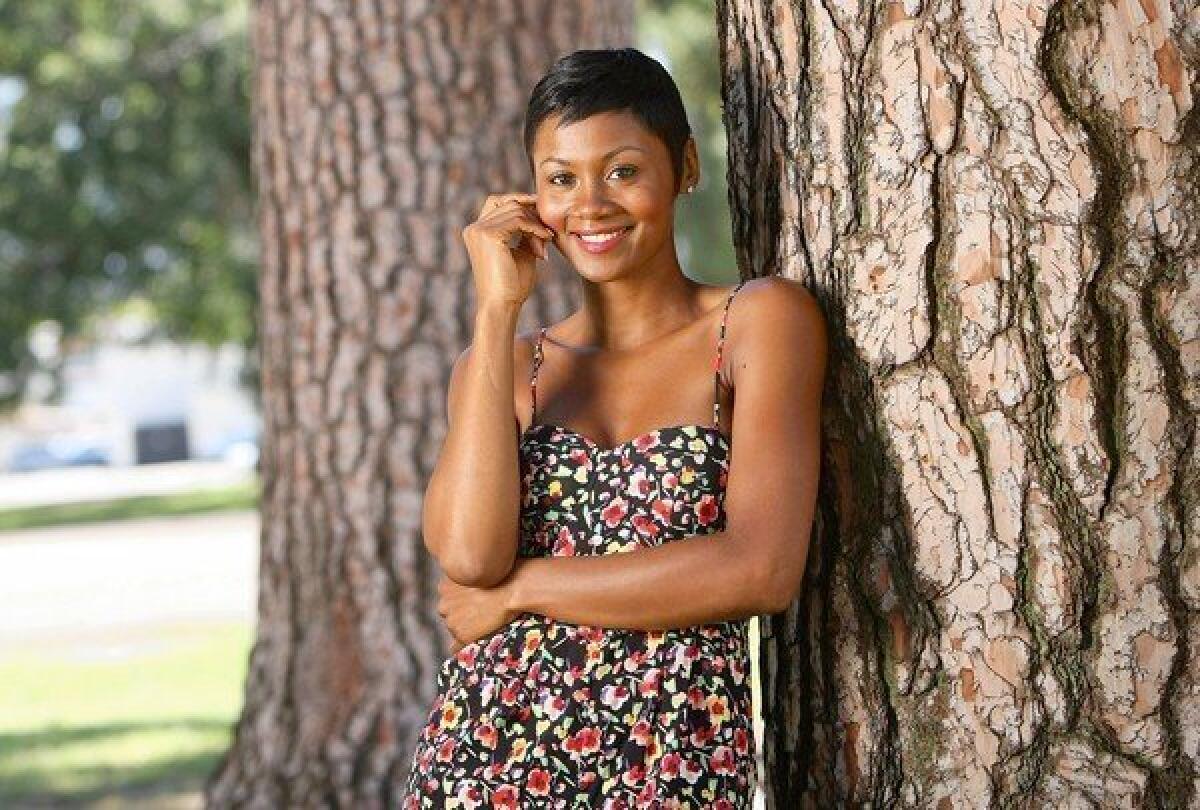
(610, 177)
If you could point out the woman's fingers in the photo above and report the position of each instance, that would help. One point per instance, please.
(496, 201)
(517, 227)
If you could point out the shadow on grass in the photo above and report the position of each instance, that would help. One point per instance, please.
(32, 776)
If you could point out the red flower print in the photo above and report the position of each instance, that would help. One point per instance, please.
(644, 442)
(670, 480)
(633, 661)
(584, 741)
(564, 543)
(640, 484)
(614, 696)
(700, 736)
(446, 750)
(741, 741)
(466, 655)
(613, 513)
(691, 771)
(645, 526)
(641, 733)
(648, 794)
(470, 797)
(591, 632)
(651, 682)
(661, 507)
(696, 697)
(634, 775)
(504, 798)
(722, 760)
(538, 782)
(508, 695)
(670, 764)
(706, 509)
(485, 732)
(554, 707)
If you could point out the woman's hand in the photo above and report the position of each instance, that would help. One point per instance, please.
(472, 613)
(503, 243)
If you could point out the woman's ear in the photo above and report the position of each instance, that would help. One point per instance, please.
(691, 167)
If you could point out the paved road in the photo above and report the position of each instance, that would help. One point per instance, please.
(100, 582)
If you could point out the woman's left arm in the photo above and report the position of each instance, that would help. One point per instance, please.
(777, 353)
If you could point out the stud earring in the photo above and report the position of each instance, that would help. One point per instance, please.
(691, 188)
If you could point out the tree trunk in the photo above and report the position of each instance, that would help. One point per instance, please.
(379, 129)
(999, 209)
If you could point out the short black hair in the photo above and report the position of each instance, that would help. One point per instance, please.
(586, 82)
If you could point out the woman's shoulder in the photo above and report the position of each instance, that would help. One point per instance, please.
(771, 311)
(773, 295)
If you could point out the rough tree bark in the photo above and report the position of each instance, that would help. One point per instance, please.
(379, 128)
(998, 205)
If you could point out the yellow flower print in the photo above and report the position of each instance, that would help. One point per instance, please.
(688, 475)
(451, 714)
(555, 488)
(533, 641)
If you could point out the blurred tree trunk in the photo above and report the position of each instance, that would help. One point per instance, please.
(379, 129)
(1000, 213)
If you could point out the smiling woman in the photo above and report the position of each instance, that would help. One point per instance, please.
(606, 543)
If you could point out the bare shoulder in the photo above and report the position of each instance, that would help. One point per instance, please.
(773, 312)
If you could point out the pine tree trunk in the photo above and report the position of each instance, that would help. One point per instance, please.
(999, 208)
(380, 127)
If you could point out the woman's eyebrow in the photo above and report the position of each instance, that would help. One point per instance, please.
(606, 157)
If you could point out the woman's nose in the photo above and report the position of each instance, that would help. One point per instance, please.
(592, 197)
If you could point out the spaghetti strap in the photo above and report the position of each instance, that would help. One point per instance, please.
(537, 362)
(717, 364)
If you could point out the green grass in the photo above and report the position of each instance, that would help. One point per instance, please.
(152, 723)
(241, 496)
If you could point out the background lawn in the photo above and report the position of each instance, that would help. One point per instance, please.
(141, 724)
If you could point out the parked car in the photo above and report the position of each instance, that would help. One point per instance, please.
(58, 451)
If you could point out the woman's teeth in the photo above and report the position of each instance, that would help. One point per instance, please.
(598, 242)
(598, 237)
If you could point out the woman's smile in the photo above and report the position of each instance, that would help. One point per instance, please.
(601, 241)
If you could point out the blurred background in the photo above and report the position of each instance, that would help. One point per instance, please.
(129, 414)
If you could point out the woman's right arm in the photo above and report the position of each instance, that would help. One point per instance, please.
(472, 505)
(471, 511)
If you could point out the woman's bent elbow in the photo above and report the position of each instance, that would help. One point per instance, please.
(475, 573)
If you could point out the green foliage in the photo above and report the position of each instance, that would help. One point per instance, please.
(124, 168)
(685, 33)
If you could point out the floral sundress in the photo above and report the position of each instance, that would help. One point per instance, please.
(550, 714)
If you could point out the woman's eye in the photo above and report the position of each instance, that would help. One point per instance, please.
(563, 178)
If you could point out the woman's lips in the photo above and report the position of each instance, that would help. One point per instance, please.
(602, 245)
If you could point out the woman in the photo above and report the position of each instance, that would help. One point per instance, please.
(603, 552)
